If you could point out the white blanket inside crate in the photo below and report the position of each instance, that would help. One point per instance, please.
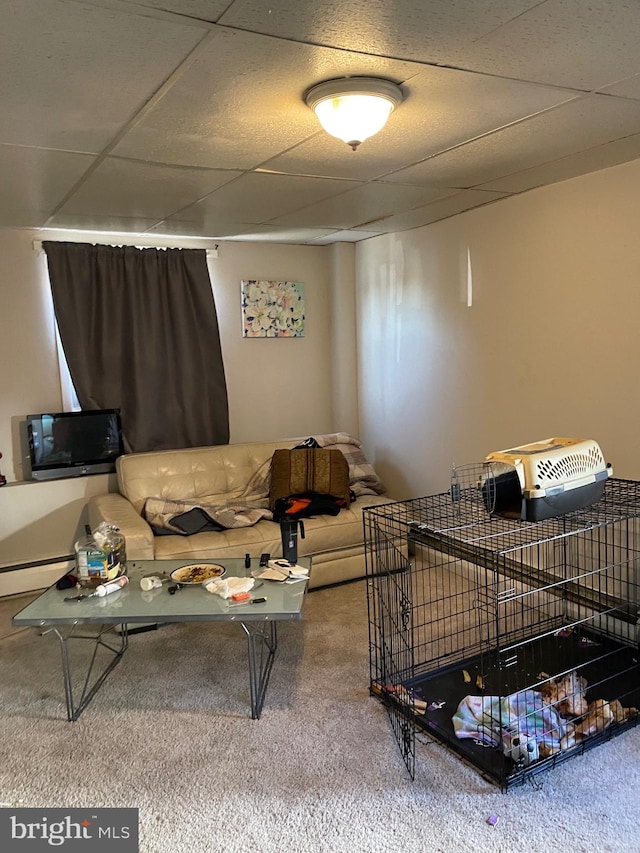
(487, 719)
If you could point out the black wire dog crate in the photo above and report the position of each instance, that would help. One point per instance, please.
(513, 643)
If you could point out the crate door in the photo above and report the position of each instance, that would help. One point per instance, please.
(391, 625)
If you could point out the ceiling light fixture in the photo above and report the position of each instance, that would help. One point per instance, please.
(354, 108)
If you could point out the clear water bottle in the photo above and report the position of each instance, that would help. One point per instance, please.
(112, 542)
(91, 561)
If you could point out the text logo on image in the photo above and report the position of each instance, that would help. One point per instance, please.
(79, 830)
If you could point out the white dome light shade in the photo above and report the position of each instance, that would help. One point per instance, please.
(354, 108)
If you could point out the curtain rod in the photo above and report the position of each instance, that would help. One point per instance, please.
(211, 253)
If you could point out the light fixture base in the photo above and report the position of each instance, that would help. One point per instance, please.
(354, 86)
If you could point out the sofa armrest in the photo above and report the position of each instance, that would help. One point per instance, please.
(117, 510)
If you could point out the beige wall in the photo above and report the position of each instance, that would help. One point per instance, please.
(28, 359)
(549, 346)
(277, 388)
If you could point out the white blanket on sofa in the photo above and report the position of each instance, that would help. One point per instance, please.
(248, 508)
(363, 479)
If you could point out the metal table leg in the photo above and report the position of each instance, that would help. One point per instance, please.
(263, 643)
(89, 689)
(262, 640)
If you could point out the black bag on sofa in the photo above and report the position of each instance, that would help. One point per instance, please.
(306, 505)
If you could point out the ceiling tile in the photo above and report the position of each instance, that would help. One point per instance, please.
(627, 88)
(101, 223)
(265, 234)
(33, 182)
(131, 188)
(78, 73)
(202, 228)
(259, 197)
(412, 29)
(570, 128)
(458, 203)
(364, 204)
(205, 10)
(350, 236)
(241, 231)
(562, 42)
(612, 154)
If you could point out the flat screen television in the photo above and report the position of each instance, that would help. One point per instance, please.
(74, 444)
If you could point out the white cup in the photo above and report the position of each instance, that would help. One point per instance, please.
(152, 582)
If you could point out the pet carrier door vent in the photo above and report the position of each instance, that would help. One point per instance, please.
(570, 466)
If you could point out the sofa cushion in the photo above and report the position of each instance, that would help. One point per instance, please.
(324, 534)
(220, 474)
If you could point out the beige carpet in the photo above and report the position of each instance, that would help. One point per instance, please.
(170, 734)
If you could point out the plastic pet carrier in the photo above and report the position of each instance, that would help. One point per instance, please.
(547, 478)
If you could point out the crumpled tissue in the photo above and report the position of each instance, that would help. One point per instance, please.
(226, 587)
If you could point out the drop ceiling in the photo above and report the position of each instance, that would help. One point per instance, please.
(187, 117)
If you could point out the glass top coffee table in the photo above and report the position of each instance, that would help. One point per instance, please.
(115, 614)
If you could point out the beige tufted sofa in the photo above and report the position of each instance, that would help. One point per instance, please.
(334, 542)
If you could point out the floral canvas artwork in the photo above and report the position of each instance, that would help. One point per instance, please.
(272, 309)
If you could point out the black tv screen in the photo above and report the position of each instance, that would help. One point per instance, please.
(74, 444)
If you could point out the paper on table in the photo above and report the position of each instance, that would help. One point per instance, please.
(226, 587)
(273, 575)
(290, 569)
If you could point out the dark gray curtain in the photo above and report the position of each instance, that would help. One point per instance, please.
(140, 333)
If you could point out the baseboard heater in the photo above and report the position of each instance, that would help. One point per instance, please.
(34, 564)
(32, 575)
